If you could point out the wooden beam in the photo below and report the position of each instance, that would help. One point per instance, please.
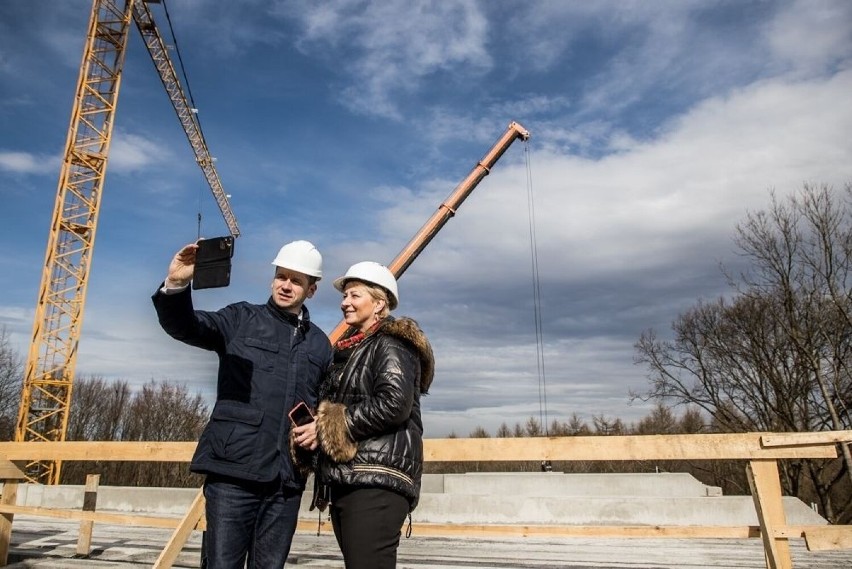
(638, 447)
(178, 539)
(98, 450)
(90, 501)
(820, 538)
(99, 517)
(10, 496)
(766, 493)
(10, 471)
(528, 530)
(797, 439)
(745, 446)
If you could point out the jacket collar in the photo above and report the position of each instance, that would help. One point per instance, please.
(302, 319)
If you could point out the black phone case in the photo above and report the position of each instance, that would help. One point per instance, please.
(213, 263)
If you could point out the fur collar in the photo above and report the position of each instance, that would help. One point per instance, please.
(409, 331)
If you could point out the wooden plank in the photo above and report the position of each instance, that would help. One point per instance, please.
(766, 493)
(529, 530)
(10, 496)
(635, 447)
(485, 530)
(90, 501)
(178, 539)
(99, 517)
(649, 447)
(820, 538)
(10, 471)
(795, 439)
(98, 450)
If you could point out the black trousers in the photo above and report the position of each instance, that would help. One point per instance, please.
(367, 523)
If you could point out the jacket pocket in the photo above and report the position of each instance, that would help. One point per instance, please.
(233, 431)
(262, 353)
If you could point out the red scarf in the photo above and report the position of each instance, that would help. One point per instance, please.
(357, 337)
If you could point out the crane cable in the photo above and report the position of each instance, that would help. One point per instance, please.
(189, 96)
(539, 336)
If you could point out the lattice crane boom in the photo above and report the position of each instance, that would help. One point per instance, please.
(49, 371)
(186, 114)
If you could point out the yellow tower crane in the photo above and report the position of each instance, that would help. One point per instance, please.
(49, 372)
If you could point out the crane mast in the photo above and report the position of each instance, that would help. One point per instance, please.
(49, 371)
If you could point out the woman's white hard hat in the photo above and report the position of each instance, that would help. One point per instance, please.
(300, 256)
(372, 273)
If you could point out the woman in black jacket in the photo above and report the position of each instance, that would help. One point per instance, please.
(368, 426)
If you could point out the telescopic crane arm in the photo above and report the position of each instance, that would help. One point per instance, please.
(447, 209)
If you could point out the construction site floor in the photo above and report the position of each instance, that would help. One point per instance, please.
(44, 543)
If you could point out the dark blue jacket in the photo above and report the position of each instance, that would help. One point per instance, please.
(268, 362)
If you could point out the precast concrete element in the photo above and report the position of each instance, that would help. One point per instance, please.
(551, 498)
(666, 484)
(141, 500)
(604, 511)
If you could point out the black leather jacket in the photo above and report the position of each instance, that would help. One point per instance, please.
(369, 427)
(268, 362)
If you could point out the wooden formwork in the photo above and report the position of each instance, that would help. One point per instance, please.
(760, 452)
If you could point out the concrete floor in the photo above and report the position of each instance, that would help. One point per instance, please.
(47, 543)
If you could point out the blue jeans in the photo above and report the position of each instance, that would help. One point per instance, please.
(249, 521)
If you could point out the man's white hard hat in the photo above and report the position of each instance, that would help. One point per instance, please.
(373, 273)
(300, 256)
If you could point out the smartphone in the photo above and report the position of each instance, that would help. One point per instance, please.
(214, 249)
(213, 262)
(300, 415)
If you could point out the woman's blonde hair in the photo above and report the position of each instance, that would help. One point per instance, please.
(378, 293)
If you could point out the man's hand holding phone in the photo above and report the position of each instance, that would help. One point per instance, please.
(304, 426)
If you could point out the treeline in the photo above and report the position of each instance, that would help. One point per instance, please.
(104, 410)
(163, 411)
(110, 411)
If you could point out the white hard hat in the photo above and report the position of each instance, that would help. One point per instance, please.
(300, 256)
(373, 273)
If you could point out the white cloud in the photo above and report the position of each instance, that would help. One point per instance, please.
(27, 163)
(393, 46)
(625, 242)
(812, 35)
(133, 152)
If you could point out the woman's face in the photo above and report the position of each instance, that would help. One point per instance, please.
(359, 307)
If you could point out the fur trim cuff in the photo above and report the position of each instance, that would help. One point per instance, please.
(302, 458)
(333, 432)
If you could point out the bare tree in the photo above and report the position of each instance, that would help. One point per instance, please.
(503, 431)
(108, 410)
(479, 433)
(777, 355)
(98, 409)
(661, 421)
(533, 428)
(605, 426)
(578, 427)
(11, 380)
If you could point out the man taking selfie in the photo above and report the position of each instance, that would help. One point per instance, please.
(271, 358)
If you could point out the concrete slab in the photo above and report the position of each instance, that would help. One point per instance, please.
(50, 544)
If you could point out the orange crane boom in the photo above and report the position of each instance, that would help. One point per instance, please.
(447, 209)
(49, 371)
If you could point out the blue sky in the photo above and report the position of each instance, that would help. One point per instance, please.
(656, 126)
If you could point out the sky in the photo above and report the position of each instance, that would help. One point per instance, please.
(655, 128)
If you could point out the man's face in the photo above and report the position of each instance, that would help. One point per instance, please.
(290, 289)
